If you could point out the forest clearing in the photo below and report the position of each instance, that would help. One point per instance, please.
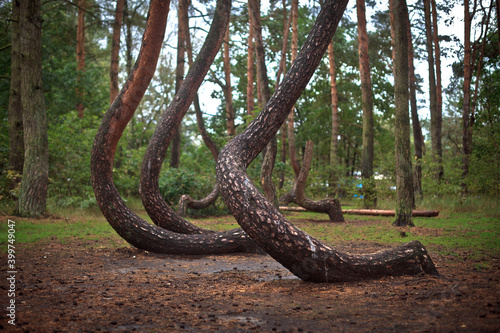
(323, 166)
(85, 278)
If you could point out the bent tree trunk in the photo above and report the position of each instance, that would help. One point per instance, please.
(306, 257)
(160, 212)
(127, 224)
(328, 206)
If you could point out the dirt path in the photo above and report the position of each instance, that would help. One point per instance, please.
(80, 287)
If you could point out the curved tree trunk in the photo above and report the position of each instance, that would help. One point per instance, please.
(328, 206)
(126, 223)
(303, 255)
(186, 201)
(161, 214)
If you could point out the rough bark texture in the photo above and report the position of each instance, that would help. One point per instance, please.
(15, 111)
(115, 49)
(418, 139)
(404, 176)
(367, 105)
(80, 54)
(439, 89)
(159, 211)
(127, 224)
(33, 192)
(435, 130)
(335, 119)
(303, 255)
(328, 206)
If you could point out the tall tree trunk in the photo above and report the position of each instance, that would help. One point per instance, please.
(228, 91)
(439, 90)
(418, 139)
(33, 192)
(80, 55)
(294, 11)
(265, 92)
(404, 177)
(334, 161)
(250, 65)
(282, 70)
(435, 130)
(304, 256)
(115, 49)
(467, 117)
(15, 111)
(175, 154)
(369, 192)
(126, 223)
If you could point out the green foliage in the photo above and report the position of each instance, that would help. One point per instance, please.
(176, 182)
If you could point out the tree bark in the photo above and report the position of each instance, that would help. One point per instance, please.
(115, 49)
(127, 224)
(186, 201)
(294, 11)
(80, 55)
(160, 213)
(467, 118)
(335, 119)
(435, 129)
(404, 178)
(304, 256)
(15, 111)
(33, 192)
(418, 139)
(265, 93)
(175, 154)
(369, 193)
(439, 90)
(328, 206)
(250, 65)
(228, 91)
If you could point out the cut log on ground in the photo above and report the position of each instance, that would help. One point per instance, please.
(371, 212)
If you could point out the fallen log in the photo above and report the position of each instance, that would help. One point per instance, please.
(371, 212)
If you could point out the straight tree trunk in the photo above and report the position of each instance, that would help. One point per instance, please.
(250, 65)
(439, 90)
(115, 49)
(404, 177)
(435, 130)
(15, 111)
(80, 55)
(334, 161)
(418, 139)
(294, 11)
(369, 193)
(265, 93)
(304, 256)
(175, 155)
(467, 117)
(33, 192)
(126, 223)
(228, 91)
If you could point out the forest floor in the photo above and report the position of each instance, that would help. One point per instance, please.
(83, 285)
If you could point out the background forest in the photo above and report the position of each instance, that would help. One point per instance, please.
(76, 86)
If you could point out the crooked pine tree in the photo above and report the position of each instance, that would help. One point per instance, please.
(303, 255)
